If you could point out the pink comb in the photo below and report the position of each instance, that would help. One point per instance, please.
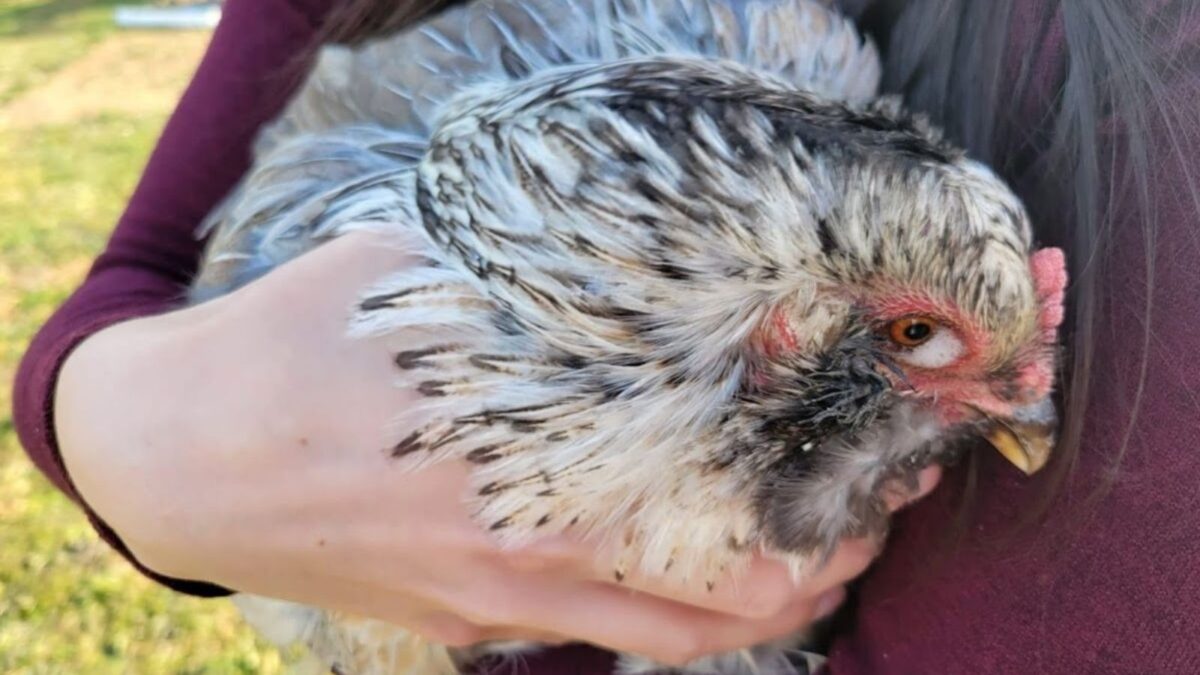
(1049, 269)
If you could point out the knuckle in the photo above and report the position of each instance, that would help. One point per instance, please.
(896, 494)
(763, 605)
(517, 637)
(669, 658)
(684, 649)
(553, 640)
(476, 543)
(860, 553)
(531, 562)
(492, 606)
(451, 632)
(544, 557)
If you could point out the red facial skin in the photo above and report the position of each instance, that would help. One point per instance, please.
(784, 338)
(969, 386)
(962, 390)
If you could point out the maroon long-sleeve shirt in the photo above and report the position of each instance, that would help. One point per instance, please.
(1114, 590)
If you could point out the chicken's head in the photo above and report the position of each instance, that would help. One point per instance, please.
(748, 310)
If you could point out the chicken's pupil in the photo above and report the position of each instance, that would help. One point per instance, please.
(917, 332)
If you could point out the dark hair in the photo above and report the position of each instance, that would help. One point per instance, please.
(1111, 121)
(947, 59)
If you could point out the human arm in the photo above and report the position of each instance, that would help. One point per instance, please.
(150, 493)
(292, 494)
(244, 79)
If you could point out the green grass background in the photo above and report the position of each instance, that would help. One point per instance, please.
(67, 603)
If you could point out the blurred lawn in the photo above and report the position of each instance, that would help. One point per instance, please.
(67, 604)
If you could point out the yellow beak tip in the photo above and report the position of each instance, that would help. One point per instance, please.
(1028, 452)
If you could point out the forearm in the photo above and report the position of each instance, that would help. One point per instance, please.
(245, 78)
(110, 297)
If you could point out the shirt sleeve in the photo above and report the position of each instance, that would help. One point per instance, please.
(1105, 585)
(254, 61)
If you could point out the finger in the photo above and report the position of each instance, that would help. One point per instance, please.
(897, 496)
(767, 587)
(355, 601)
(666, 631)
(761, 590)
(849, 560)
(446, 629)
(558, 555)
(524, 634)
(828, 602)
(613, 617)
(350, 602)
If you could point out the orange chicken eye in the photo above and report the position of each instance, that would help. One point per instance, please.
(912, 331)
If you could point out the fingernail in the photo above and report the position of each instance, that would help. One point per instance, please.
(829, 602)
(928, 480)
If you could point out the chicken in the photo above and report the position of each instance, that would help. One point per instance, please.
(709, 295)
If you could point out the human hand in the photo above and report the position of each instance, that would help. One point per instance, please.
(242, 442)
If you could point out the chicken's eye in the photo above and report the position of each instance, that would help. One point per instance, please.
(912, 331)
(924, 342)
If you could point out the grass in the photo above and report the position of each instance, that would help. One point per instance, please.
(67, 603)
(38, 38)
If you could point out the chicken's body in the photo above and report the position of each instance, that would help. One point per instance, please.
(669, 238)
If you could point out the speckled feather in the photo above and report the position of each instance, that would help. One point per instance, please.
(616, 201)
(369, 111)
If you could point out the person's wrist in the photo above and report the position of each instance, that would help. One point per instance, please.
(114, 405)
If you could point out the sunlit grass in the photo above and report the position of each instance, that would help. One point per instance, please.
(67, 603)
(39, 37)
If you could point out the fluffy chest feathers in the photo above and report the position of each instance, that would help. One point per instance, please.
(704, 298)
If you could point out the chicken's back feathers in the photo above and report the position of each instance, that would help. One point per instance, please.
(365, 113)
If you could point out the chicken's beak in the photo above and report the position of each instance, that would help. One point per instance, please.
(1026, 438)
